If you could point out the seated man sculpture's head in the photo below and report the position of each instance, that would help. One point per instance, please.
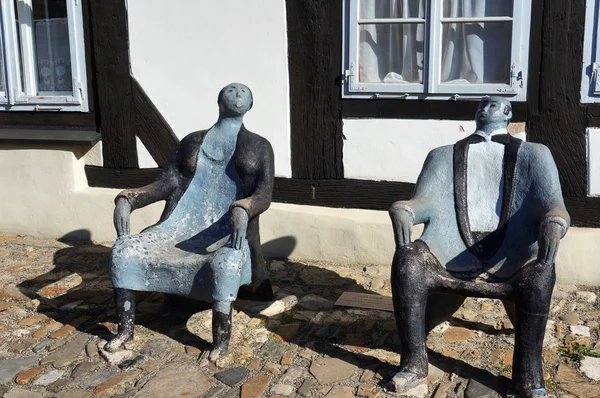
(235, 99)
(493, 113)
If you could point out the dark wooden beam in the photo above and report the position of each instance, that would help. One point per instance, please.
(119, 178)
(419, 109)
(354, 194)
(562, 119)
(358, 194)
(314, 62)
(110, 39)
(48, 136)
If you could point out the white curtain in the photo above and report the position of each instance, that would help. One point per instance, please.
(471, 52)
(53, 55)
(391, 53)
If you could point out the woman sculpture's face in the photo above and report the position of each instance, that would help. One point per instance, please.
(235, 98)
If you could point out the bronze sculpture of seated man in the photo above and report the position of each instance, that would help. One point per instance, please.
(207, 244)
(494, 216)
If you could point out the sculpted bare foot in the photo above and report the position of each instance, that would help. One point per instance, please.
(403, 380)
(217, 353)
(117, 342)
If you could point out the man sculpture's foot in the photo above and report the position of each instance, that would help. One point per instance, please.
(403, 380)
(118, 341)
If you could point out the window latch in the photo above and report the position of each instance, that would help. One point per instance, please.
(516, 78)
(595, 78)
(349, 79)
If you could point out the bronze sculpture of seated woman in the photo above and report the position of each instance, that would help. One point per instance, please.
(206, 244)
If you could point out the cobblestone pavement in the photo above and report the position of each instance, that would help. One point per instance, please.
(56, 310)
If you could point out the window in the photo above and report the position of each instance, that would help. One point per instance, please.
(590, 84)
(435, 49)
(42, 62)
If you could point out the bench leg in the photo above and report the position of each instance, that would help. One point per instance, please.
(125, 306)
(221, 328)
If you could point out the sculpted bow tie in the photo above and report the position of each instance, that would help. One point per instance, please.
(500, 138)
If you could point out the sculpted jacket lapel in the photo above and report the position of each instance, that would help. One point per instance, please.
(483, 245)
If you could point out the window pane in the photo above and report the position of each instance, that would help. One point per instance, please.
(53, 55)
(391, 53)
(392, 9)
(477, 8)
(476, 52)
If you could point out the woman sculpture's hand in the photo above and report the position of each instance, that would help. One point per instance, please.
(121, 216)
(239, 226)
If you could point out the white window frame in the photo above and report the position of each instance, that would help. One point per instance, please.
(19, 96)
(590, 82)
(431, 88)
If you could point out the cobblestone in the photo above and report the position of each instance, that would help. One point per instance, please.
(56, 301)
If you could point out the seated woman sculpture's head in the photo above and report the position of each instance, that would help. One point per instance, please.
(235, 99)
(493, 111)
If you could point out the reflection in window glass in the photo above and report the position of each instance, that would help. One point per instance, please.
(477, 8)
(392, 9)
(476, 52)
(51, 45)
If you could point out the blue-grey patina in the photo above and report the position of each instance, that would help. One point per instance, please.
(536, 193)
(189, 253)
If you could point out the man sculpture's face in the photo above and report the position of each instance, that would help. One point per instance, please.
(492, 111)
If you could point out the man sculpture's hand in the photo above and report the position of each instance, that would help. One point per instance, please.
(549, 239)
(239, 226)
(121, 216)
(402, 221)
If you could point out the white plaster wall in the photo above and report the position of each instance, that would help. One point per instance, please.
(593, 161)
(365, 237)
(45, 194)
(395, 149)
(183, 52)
(145, 160)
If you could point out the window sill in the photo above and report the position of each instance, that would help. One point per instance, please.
(54, 137)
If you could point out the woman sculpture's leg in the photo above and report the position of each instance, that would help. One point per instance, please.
(221, 328)
(125, 305)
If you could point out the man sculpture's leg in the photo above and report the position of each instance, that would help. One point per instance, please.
(125, 306)
(534, 291)
(221, 328)
(409, 290)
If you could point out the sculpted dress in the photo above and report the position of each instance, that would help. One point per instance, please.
(188, 252)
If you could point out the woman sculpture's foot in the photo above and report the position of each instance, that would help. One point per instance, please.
(403, 380)
(218, 352)
(118, 341)
(221, 328)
